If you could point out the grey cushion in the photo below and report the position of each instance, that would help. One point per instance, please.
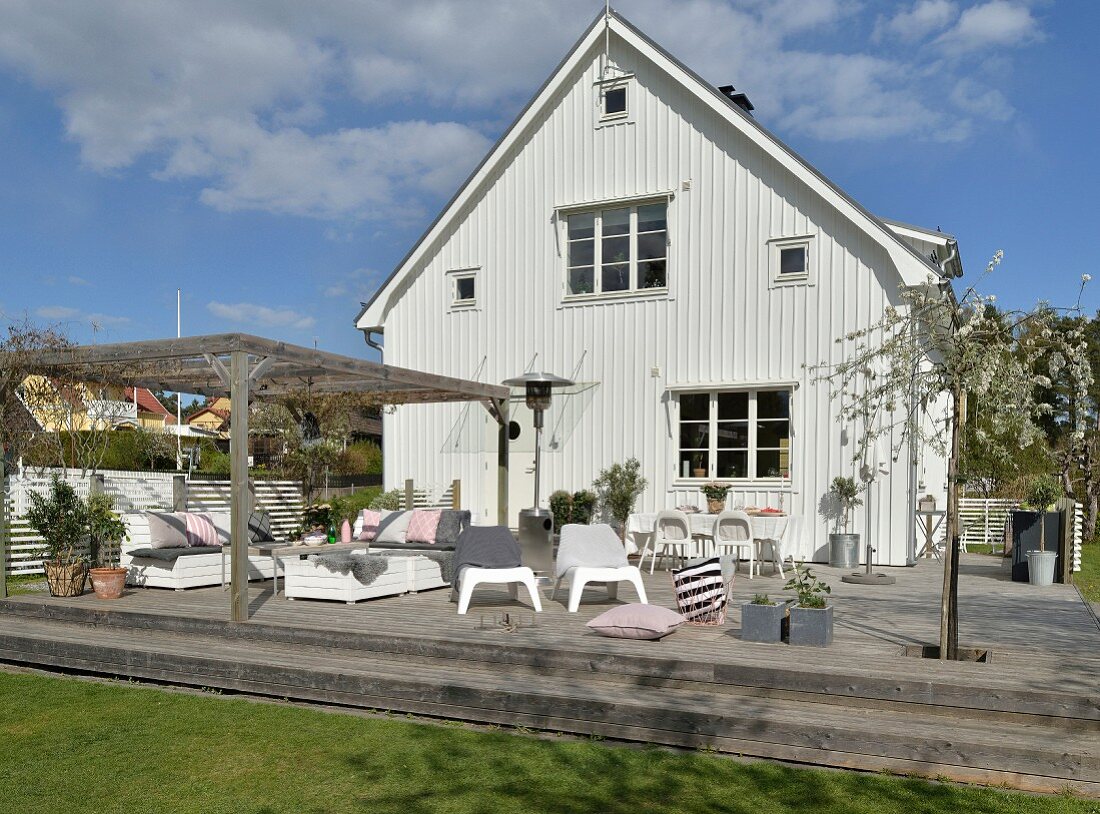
(223, 523)
(636, 622)
(170, 554)
(590, 546)
(392, 527)
(452, 522)
(486, 547)
(166, 530)
(259, 528)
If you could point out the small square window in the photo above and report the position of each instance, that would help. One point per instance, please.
(793, 260)
(614, 101)
(463, 288)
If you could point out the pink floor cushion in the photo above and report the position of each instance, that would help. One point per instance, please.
(371, 519)
(200, 530)
(636, 621)
(423, 525)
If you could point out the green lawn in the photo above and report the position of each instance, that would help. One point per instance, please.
(76, 746)
(1088, 578)
(26, 584)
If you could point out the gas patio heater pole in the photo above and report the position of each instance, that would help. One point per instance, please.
(536, 525)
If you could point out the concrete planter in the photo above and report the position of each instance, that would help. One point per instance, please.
(844, 550)
(763, 623)
(812, 627)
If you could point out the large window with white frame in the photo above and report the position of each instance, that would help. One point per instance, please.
(735, 434)
(617, 249)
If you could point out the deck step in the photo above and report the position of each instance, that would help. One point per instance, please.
(1026, 753)
(943, 697)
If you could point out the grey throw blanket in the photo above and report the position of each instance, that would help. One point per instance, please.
(171, 554)
(486, 547)
(366, 568)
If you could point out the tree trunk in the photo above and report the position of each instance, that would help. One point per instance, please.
(948, 617)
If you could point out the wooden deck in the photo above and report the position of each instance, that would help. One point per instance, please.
(1030, 718)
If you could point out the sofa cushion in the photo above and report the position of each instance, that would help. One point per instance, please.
(166, 530)
(223, 522)
(167, 554)
(368, 522)
(200, 531)
(392, 527)
(636, 621)
(452, 522)
(422, 526)
(259, 528)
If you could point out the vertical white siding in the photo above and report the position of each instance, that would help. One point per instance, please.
(721, 321)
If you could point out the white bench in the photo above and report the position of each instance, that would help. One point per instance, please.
(304, 578)
(188, 571)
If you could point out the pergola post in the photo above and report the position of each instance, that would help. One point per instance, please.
(238, 485)
(502, 462)
(3, 528)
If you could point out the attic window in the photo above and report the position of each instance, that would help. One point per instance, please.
(614, 102)
(791, 261)
(463, 284)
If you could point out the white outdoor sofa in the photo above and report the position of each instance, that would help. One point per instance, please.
(171, 568)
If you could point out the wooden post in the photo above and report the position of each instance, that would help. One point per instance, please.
(949, 630)
(456, 494)
(3, 528)
(179, 493)
(502, 464)
(410, 496)
(238, 486)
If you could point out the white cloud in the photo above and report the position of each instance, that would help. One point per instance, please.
(303, 108)
(996, 24)
(923, 18)
(64, 313)
(77, 281)
(248, 313)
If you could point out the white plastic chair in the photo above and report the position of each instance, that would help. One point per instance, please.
(593, 554)
(785, 546)
(513, 577)
(671, 531)
(733, 529)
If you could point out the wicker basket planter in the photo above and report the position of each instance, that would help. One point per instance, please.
(108, 583)
(715, 506)
(66, 580)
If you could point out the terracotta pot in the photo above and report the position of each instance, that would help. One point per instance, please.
(716, 506)
(108, 583)
(65, 580)
(698, 473)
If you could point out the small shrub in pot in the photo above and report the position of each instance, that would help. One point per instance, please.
(812, 616)
(763, 620)
(105, 531)
(61, 519)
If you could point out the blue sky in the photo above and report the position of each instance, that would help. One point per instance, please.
(276, 159)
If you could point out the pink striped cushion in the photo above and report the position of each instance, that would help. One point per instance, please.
(370, 525)
(423, 525)
(200, 531)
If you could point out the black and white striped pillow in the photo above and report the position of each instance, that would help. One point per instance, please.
(700, 589)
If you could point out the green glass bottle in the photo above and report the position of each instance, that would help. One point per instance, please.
(332, 532)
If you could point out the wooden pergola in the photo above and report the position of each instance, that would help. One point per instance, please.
(246, 368)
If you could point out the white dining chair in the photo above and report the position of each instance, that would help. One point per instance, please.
(671, 531)
(733, 529)
(778, 548)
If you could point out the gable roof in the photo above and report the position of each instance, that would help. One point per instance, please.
(912, 267)
(147, 402)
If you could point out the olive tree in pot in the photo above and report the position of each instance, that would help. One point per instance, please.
(105, 531)
(61, 520)
(844, 547)
(1045, 490)
(617, 489)
(812, 617)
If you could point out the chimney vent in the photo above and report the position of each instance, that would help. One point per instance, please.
(739, 99)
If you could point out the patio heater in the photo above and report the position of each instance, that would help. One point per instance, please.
(536, 525)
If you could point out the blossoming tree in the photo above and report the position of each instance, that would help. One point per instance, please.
(940, 352)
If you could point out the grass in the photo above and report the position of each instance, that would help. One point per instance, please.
(1088, 578)
(78, 746)
(26, 584)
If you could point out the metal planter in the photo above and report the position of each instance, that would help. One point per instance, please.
(844, 550)
(812, 627)
(763, 623)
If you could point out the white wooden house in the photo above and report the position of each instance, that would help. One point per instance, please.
(638, 231)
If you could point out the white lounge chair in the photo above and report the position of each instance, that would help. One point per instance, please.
(671, 531)
(490, 554)
(593, 554)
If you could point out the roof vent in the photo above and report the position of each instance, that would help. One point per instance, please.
(739, 99)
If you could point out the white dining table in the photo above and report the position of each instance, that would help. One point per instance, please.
(768, 527)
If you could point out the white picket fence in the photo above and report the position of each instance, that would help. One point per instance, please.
(983, 523)
(133, 492)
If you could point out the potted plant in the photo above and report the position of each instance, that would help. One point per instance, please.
(60, 519)
(844, 547)
(617, 489)
(812, 617)
(698, 469)
(105, 531)
(1045, 490)
(764, 620)
(715, 494)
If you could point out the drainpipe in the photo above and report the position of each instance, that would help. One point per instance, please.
(953, 245)
(371, 341)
